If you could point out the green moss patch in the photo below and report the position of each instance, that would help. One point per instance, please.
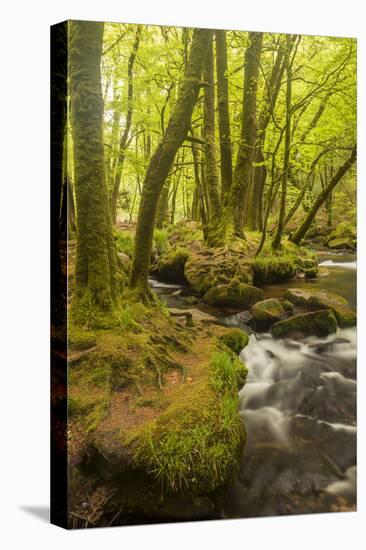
(235, 339)
(320, 323)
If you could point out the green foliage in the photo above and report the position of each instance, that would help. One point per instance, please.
(235, 339)
(228, 372)
(124, 242)
(161, 240)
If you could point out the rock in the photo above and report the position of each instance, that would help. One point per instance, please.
(343, 237)
(235, 339)
(208, 268)
(234, 294)
(313, 299)
(321, 323)
(170, 267)
(267, 312)
(196, 315)
(311, 273)
(287, 306)
(342, 243)
(192, 300)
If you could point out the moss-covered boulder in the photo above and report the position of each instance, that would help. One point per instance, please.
(319, 323)
(234, 294)
(343, 237)
(342, 243)
(235, 339)
(274, 269)
(313, 299)
(208, 268)
(170, 266)
(267, 312)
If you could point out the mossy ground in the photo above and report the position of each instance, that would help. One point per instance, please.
(155, 396)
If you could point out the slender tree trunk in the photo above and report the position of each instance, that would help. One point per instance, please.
(124, 138)
(276, 242)
(223, 115)
(260, 170)
(95, 254)
(163, 158)
(163, 204)
(244, 162)
(212, 177)
(321, 198)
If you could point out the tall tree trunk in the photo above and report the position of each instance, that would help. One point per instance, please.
(276, 242)
(163, 158)
(223, 114)
(212, 177)
(260, 171)
(163, 204)
(124, 138)
(244, 162)
(321, 198)
(95, 254)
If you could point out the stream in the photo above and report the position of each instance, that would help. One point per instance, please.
(299, 408)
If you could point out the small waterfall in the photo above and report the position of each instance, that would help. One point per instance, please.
(299, 407)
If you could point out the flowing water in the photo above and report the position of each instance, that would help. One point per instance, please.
(299, 408)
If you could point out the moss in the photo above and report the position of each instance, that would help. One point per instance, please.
(161, 241)
(170, 267)
(234, 294)
(79, 339)
(320, 323)
(311, 273)
(267, 312)
(342, 243)
(282, 265)
(195, 445)
(124, 242)
(313, 299)
(235, 339)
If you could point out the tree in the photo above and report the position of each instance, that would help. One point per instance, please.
(223, 114)
(244, 162)
(322, 197)
(212, 177)
(276, 242)
(124, 137)
(163, 158)
(95, 270)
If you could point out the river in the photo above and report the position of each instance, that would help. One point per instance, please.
(299, 408)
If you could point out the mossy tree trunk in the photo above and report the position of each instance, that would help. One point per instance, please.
(276, 241)
(163, 206)
(162, 160)
(124, 138)
(212, 177)
(322, 197)
(244, 162)
(223, 114)
(95, 268)
(260, 171)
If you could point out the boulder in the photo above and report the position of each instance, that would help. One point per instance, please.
(342, 243)
(170, 267)
(267, 312)
(234, 294)
(343, 237)
(320, 323)
(235, 339)
(313, 299)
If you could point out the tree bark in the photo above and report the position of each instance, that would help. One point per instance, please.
(95, 254)
(321, 198)
(244, 162)
(223, 115)
(124, 138)
(276, 242)
(260, 171)
(163, 158)
(212, 177)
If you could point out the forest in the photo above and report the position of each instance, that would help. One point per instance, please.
(204, 188)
